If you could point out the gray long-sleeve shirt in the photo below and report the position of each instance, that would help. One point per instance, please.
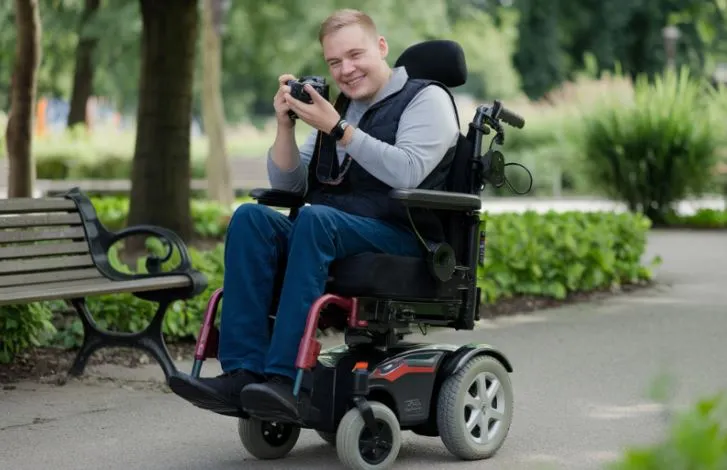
(428, 127)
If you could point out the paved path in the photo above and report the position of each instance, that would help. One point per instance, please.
(581, 380)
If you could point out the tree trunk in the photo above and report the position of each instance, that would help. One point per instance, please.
(218, 170)
(83, 76)
(160, 179)
(19, 132)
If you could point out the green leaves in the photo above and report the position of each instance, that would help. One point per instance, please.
(656, 148)
(556, 254)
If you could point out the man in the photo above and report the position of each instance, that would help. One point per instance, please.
(396, 134)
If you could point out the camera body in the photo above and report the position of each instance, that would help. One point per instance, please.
(298, 92)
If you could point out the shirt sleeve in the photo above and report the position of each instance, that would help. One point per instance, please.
(296, 179)
(427, 129)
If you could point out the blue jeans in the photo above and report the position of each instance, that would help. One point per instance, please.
(257, 238)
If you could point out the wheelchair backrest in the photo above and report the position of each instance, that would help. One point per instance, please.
(444, 61)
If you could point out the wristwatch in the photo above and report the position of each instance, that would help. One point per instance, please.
(338, 129)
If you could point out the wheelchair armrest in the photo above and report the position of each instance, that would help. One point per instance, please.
(277, 198)
(430, 199)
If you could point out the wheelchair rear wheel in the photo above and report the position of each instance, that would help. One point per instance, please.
(267, 440)
(475, 408)
(356, 448)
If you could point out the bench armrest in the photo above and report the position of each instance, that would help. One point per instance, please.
(442, 200)
(154, 263)
(277, 198)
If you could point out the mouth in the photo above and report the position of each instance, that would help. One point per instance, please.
(355, 81)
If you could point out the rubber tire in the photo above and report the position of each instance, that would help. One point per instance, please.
(349, 432)
(329, 437)
(450, 406)
(251, 435)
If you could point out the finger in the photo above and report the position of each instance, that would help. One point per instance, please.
(283, 79)
(315, 96)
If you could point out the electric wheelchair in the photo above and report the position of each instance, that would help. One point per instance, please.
(376, 384)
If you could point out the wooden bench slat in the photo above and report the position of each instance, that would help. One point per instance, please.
(10, 267)
(26, 205)
(49, 276)
(39, 220)
(83, 288)
(14, 236)
(46, 249)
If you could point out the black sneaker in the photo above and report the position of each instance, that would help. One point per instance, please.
(219, 394)
(273, 400)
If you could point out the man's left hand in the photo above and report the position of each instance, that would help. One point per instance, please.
(320, 114)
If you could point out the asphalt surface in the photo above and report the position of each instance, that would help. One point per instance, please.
(582, 378)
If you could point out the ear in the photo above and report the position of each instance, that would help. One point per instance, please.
(383, 47)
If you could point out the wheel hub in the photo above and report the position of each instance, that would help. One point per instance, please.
(484, 408)
(375, 448)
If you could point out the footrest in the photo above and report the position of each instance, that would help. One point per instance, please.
(202, 396)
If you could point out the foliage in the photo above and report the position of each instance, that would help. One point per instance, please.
(539, 57)
(702, 218)
(655, 149)
(557, 254)
(550, 255)
(22, 327)
(697, 439)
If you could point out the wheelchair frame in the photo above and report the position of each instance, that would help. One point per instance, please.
(376, 377)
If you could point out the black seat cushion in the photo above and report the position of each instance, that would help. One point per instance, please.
(382, 275)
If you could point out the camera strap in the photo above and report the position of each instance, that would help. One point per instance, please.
(328, 170)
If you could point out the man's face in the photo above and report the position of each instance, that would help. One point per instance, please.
(356, 60)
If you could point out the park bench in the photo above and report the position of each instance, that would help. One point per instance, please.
(56, 249)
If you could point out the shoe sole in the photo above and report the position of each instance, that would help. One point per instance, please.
(267, 408)
(203, 397)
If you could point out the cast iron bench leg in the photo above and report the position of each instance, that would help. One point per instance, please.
(150, 340)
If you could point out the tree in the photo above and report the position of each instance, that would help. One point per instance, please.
(218, 170)
(19, 132)
(160, 177)
(83, 76)
(538, 58)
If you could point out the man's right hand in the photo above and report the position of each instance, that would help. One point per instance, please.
(279, 103)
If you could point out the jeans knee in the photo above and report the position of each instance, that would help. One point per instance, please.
(314, 213)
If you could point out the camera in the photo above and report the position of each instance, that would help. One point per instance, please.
(296, 90)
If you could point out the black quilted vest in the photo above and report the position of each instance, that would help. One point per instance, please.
(357, 191)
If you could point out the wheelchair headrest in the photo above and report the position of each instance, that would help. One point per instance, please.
(437, 59)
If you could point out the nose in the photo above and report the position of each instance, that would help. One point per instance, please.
(347, 67)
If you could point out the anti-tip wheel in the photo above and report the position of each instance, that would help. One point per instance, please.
(475, 408)
(267, 440)
(355, 445)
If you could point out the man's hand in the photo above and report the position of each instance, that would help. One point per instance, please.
(320, 114)
(280, 103)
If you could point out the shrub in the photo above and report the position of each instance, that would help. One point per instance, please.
(697, 439)
(544, 255)
(23, 326)
(555, 254)
(655, 149)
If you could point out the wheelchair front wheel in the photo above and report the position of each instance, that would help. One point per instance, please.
(267, 440)
(356, 448)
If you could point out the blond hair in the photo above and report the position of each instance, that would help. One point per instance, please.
(341, 18)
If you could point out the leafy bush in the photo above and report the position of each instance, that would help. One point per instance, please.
(548, 255)
(23, 326)
(702, 218)
(656, 149)
(556, 254)
(697, 439)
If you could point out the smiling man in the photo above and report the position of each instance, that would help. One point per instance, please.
(385, 131)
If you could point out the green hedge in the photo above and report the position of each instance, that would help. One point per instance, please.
(550, 255)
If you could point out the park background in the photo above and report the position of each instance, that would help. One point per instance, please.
(623, 102)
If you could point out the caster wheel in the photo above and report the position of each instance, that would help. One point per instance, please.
(329, 437)
(267, 440)
(357, 449)
(474, 410)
